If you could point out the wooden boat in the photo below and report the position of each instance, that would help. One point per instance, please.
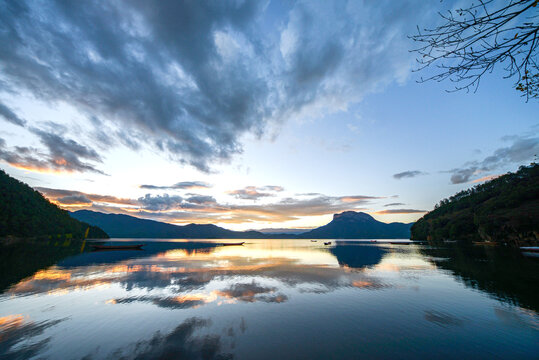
(327, 243)
(399, 243)
(233, 244)
(485, 243)
(118, 247)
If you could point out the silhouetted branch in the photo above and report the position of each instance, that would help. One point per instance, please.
(472, 41)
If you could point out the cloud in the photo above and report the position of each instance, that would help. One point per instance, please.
(394, 204)
(486, 178)
(75, 200)
(400, 211)
(522, 149)
(62, 156)
(408, 174)
(273, 188)
(181, 185)
(255, 193)
(201, 199)
(160, 202)
(190, 78)
(71, 197)
(206, 209)
(8, 115)
(357, 198)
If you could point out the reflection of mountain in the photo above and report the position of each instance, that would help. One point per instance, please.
(358, 225)
(23, 258)
(357, 256)
(504, 274)
(149, 249)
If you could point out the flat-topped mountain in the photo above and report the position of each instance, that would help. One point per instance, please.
(359, 225)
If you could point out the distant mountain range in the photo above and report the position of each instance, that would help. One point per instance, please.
(347, 225)
(125, 226)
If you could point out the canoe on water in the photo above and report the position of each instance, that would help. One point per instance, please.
(233, 244)
(118, 247)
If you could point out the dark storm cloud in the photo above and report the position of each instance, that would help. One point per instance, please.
(184, 185)
(190, 78)
(522, 150)
(7, 114)
(408, 174)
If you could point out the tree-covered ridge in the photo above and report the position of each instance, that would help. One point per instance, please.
(505, 209)
(24, 212)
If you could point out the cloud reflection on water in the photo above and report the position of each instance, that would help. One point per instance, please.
(185, 279)
(241, 274)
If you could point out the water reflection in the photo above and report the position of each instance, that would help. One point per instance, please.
(357, 255)
(181, 343)
(200, 300)
(21, 338)
(502, 273)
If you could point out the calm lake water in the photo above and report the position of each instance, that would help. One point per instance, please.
(275, 299)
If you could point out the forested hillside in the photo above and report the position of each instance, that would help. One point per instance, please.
(24, 212)
(504, 210)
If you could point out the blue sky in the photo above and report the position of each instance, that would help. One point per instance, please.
(245, 114)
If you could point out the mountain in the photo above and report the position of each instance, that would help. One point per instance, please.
(282, 231)
(347, 225)
(125, 226)
(24, 212)
(358, 225)
(504, 210)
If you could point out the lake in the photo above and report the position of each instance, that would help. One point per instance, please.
(274, 299)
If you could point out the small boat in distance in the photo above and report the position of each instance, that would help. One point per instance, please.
(485, 243)
(233, 244)
(400, 243)
(327, 243)
(117, 247)
(314, 240)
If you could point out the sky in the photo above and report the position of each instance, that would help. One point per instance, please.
(246, 114)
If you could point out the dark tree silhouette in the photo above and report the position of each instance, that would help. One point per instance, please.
(473, 40)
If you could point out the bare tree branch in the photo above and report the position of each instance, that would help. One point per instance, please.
(472, 41)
